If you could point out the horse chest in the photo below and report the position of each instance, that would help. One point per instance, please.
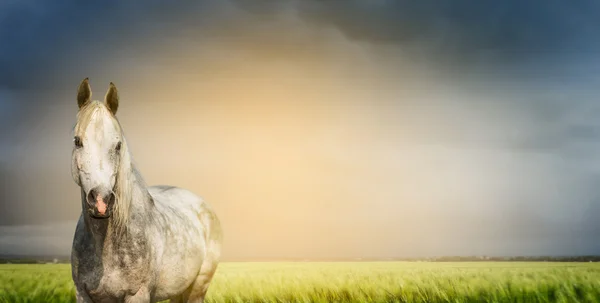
(114, 282)
(116, 274)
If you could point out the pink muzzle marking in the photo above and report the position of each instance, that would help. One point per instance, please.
(100, 205)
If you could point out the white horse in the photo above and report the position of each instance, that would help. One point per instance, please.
(134, 243)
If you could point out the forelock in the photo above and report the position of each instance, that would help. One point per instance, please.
(93, 111)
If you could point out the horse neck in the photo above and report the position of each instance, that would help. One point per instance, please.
(140, 202)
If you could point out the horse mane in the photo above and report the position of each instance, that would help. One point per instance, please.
(128, 178)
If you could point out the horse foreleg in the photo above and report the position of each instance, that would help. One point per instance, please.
(142, 296)
(82, 297)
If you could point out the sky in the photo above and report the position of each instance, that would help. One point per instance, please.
(318, 129)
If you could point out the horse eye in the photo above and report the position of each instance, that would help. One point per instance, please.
(118, 147)
(78, 142)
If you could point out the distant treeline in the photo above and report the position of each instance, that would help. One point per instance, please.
(434, 259)
(512, 259)
(45, 260)
(30, 260)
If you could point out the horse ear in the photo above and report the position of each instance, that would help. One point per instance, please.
(112, 98)
(84, 93)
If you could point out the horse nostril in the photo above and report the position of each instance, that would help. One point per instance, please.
(91, 197)
(110, 199)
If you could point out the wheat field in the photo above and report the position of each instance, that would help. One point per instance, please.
(350, 282)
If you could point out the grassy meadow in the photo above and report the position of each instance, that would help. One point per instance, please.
(350, 282)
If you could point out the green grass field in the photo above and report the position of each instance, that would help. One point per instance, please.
(351, 282)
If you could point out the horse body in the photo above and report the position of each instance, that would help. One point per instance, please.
(137, 243)
(199, 226)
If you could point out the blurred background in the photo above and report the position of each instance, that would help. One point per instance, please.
(318, 129)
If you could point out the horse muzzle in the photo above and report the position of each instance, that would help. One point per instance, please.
(100, 203)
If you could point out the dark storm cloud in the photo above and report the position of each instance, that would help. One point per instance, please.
(494, 38)
(52, 239)
(6, 187)
(467, 32)
(42, 40)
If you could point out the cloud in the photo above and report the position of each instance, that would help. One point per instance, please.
(36, 240)
(466, 27)
(425, 123)
(44, 43)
